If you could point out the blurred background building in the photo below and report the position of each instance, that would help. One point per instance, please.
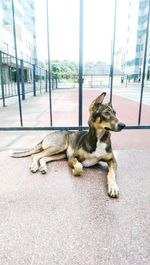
(25, 37)
(128, 58)
(133, 51)
(25, 29)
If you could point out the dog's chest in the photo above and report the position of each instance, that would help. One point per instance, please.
(93, 158)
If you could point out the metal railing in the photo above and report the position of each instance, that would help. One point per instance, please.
(19, 67)
(32, 78)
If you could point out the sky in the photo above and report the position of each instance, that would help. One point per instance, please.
(64, 29)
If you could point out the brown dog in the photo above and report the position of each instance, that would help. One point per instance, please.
(82, 148)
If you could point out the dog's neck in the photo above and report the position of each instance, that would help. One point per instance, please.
(100, 133)
(94, 137)
(95, 134)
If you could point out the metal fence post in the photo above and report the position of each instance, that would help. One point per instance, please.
(34, 81)
(144, 65)
(17, 66)
(46, 81)
(56, 81)
(2, 83)
(40, 81)
(113, 52)
(80, 62)
(53, 81)
(22, 80)
(49, 64)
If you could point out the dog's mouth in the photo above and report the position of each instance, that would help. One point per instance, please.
(119, 126)
(108, 129)
(112, 129)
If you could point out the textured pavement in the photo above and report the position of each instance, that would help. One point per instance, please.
(35, 110)
(58, 219)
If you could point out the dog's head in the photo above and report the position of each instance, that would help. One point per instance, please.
(103, 116)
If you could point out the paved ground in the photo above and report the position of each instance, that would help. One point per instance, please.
(65, 113)
(58, 219)
(65, 107)
(133, 93)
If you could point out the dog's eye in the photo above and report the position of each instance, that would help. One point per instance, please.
(107, 113)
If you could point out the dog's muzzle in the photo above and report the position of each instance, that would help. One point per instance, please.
(120, 126)
(116, 127)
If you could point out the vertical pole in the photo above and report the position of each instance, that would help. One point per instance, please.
(11, 80)
(8, 61)
(113, 53)
(80, 62)
(49, 65)
(40, 81)
(17, 66)
(56, 81)
(46, 81)
(144, 65)
(34, 81)
(2, 83)
(52, 77)
(22, 80)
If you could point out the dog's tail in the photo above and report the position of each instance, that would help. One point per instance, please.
(34, 150)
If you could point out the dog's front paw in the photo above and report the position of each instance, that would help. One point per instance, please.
(43, 169)
(77, 171)
(34, 167)
(113, 190)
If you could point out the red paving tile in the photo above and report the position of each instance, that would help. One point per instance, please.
(126, 109)
(65, 109)
(65, 113)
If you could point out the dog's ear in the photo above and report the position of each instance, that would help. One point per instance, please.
(100, 98)
(97, 101)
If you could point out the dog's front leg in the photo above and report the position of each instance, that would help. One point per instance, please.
(77, 167)
(113, 190)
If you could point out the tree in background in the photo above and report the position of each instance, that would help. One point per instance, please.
(64, 69)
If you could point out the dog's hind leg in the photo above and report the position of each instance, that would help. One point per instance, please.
(35, 160)
(77, 167)
(44, 160)
(45, 153)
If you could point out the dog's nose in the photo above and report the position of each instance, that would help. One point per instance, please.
(121, 125)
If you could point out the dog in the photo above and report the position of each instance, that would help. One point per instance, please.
(81, 148)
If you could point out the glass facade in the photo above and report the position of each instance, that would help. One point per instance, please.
(135, 59)
(25, 27)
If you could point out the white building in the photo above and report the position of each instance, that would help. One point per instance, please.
(25, 29)
(135, 42)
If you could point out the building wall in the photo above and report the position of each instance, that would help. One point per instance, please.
(136, 32)
(25, 29)
(130, 52)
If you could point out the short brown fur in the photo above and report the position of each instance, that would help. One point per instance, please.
(82, 148)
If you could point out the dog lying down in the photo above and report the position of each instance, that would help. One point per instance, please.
(81, 148)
